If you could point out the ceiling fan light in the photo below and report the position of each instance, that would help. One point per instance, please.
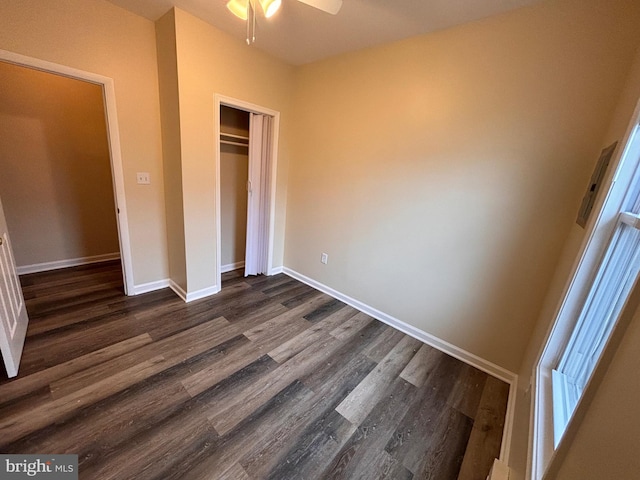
(270, 6)
(238, 8)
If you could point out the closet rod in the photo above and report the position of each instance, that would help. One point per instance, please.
(231, 135)
(237, 144)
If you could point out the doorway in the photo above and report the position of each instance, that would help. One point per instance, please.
(234, 175)
(114, 168)
(246, 158)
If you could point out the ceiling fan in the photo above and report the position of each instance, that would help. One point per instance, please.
(246, 10)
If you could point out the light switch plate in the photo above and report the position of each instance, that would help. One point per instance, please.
(143, 178)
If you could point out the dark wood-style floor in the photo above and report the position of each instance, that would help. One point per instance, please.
(267, 379)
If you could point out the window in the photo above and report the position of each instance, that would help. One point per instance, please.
(603, 277)
(615, 278)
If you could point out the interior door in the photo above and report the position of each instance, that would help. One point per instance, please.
(13, 311)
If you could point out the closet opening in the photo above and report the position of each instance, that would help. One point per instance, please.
(245, 165)
(234, 177)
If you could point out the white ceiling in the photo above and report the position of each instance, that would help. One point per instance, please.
(300, 34)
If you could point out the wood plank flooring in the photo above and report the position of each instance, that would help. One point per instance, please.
(269, 379)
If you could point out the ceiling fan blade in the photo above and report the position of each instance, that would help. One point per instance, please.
(329, 6)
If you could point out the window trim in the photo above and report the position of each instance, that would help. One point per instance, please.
(544, 455)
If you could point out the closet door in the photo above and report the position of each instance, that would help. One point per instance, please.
(256, 255)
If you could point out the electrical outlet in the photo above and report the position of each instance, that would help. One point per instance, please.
(324, 258)
(143, 178)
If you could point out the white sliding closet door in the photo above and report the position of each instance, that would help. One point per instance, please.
(256, 255)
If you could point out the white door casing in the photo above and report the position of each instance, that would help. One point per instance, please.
(268, 180)
(13, 311)
(113, 136)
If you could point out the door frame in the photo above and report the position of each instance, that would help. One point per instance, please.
(218, 101)
(113, 139)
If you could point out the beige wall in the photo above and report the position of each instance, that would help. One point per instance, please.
(98, 37)
(171, 147)
(621, 119)
(55, 171)
(442, 174)
(209, 62)
(234, 172)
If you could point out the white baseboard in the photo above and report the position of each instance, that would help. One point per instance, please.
(178, 290)
(197, 295)
(231, 266)
(150, 287)
(442, 345)
(499, 471)
(276, 270)
(72, 262)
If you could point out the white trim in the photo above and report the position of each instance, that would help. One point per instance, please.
(219, 100)
(564, 401)
(178, 290)
(509, 418)
(113, 138)
(276, 270)
(150, 287)
(192, 296)
(71, 262)
(231, 267)
(442, 345)
(435, 342)
(499, 471)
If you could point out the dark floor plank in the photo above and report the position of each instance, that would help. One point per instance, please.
(446, 447)
(359, 455)
(173, 350)
(18, 425)
(252, 432)
(360, 402)
(269, 378)
(486, 436)
(311, 335)
(103, 426)
(351, 326)
(411, 439)
(325, 310)
(385, 343)
(24, 385)
(311, 449)
(200, 380)
(155, 450)
(421, 365)
(467, 391)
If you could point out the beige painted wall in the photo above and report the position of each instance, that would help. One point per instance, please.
(442, 173)
(98, 37)
(171, 147)
(234, 172)
(209, 62)
(55, 171)
(629, 98)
